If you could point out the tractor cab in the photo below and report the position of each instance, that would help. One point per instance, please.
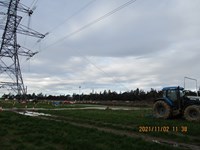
(173, 96)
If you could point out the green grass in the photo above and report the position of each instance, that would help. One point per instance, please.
(132, 120)
(19, 132)
(121, 120)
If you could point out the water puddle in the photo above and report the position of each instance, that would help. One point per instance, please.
(33, 114)
(31, 111)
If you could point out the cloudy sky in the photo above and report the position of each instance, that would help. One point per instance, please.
(94, 45)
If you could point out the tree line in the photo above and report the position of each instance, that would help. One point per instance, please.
(106, 95)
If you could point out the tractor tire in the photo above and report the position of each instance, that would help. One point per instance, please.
(192, 113)
(162, 110)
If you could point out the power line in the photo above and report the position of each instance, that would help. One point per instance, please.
(90, 24)
(93, 22)
(66, 20)
(33, 4)
(74, 14)
(31, 9)
(100, 69)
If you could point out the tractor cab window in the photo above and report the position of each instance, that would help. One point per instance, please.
(172, 94)
(182, 93)
(164, 93)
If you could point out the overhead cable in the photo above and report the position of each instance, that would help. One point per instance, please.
(74, 14)
(93, 22)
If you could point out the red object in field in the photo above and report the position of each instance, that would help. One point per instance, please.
(67, 102)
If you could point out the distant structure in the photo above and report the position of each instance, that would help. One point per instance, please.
(10, 51)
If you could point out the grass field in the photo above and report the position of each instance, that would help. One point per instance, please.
(94, 129)
(134, 121)
(19, 132)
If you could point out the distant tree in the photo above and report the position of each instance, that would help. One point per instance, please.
(34, 96)
(132, 95)
(40, 96)
(4, 96)
(137, 92)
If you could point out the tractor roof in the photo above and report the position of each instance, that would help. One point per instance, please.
(172, 88)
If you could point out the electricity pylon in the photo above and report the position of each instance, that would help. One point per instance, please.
(10, 50)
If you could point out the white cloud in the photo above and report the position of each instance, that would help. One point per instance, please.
(147, 44)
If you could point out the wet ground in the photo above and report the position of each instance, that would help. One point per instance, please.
(32, 113)
(82, 108)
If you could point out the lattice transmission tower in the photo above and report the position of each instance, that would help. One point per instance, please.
(10, 51)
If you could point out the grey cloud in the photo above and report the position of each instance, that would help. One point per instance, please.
(148, 44)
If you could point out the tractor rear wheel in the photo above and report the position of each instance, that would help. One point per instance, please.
(192, 113)
(162, 110)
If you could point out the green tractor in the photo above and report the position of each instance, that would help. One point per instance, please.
(175, 103)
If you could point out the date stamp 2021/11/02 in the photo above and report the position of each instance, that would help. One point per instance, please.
(182, 129)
